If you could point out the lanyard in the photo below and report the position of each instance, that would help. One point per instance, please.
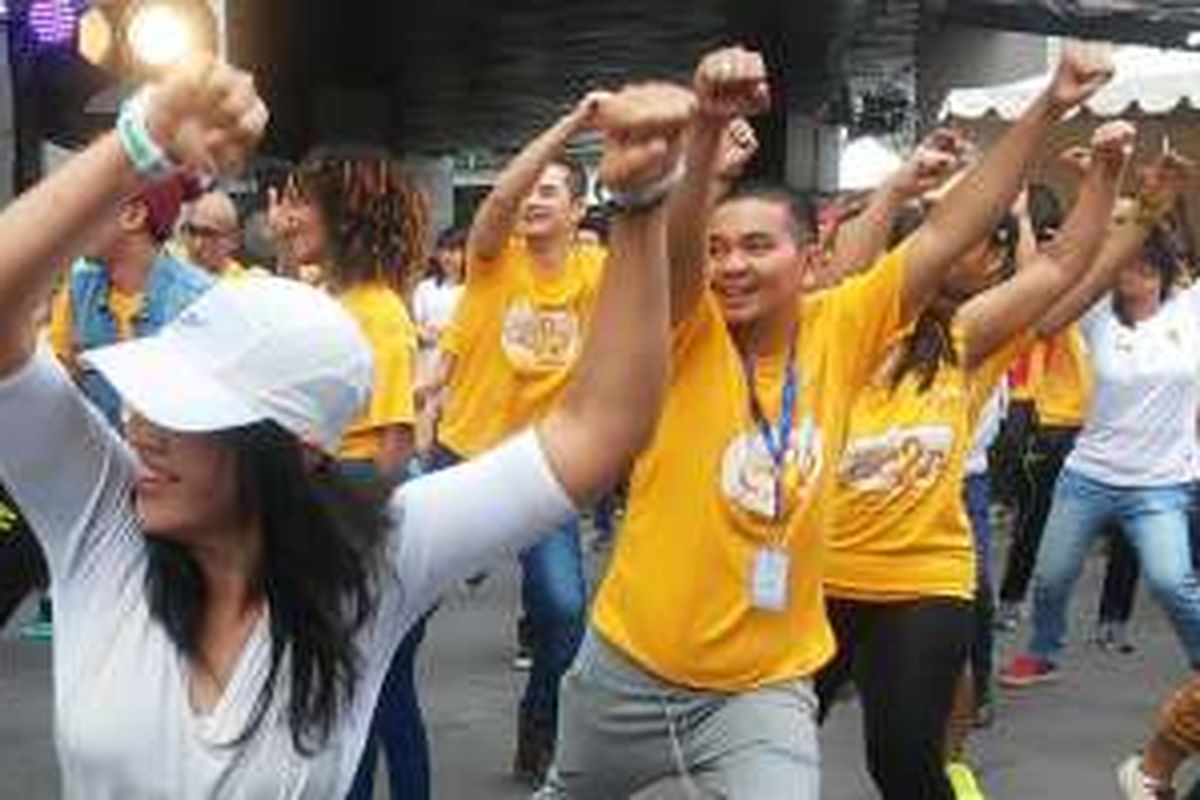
(776, 437)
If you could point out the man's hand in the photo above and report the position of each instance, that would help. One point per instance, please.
(941, 155)
(1163, 181)
(585, 116)
(739, 144)
(731, 83)
(643, 128)
(1082, 71)
(1112, 146)
(207, 115)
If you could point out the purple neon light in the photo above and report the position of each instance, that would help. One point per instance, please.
(53, 21)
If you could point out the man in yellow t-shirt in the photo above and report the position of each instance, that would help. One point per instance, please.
(711, 621)
(528, 297)
(128, 286)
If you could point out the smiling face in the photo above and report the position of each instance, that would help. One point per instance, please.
(756, 263)
(552, 209)
(186, 483)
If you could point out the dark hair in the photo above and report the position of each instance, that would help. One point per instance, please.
(577, 179)
(375, 213)
(801, 208)
(596, 219)
(321, 543)
(1045, 211)
(454, 238)
(930, 343)
(1160, 254)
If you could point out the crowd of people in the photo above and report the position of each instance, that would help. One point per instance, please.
(245, 486)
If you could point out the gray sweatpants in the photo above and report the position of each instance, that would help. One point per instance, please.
(621, 729)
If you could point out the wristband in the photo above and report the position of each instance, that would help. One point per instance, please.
(638, 200)
(148, 158)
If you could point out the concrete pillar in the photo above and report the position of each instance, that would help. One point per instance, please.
(813, 150)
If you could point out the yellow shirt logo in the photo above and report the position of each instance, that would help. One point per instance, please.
(900, 459)
(540, 340)
(748, 473)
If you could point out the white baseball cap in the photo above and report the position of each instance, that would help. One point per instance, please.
(248, 351)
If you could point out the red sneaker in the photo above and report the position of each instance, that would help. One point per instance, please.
(1028, 670)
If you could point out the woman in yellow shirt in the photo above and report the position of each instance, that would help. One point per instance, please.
(364, 220)
(900, 568)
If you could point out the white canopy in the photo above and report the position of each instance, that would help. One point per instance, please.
(1150, 80)
(864, 164)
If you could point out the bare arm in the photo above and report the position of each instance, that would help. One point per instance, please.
(610, 408)
(862, 240)
(497, 214)
(197, 107)
(1160, 186)
(728, 84)
(969, 211)
(995, 317)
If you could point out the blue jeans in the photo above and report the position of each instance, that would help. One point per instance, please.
(1155, 521)
(398, 723)
(977, 495)
(554, 596)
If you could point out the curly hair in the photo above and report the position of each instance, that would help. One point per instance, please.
(376, 214)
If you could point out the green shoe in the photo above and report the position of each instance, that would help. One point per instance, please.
(966, 787)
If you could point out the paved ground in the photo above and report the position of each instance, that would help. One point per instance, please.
(1059, 743)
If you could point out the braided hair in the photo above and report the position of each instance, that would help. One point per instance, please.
(375, 213)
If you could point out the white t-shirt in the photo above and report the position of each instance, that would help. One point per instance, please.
(1141, 429)
(987, 429)
(123, 721)
(434, 303)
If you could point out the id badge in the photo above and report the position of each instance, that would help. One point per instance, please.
(769, 580)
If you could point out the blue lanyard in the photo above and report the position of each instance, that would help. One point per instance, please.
(776, 437)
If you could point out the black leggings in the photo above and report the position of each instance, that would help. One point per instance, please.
(22, 565)
(906, 659)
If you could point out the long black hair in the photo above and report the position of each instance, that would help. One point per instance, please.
(930, 343)
(321, 542)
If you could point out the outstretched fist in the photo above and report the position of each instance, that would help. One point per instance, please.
(1085, 67)
(739, 144)
(939, 156)
(643, 127)
(206, 115)
(1112, 145)
(732, 82)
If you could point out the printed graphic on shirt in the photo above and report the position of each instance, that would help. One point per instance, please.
(751, 483)
(537, 340)
(899, 459)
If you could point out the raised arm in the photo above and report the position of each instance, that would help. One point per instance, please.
(971, 210)
(1159, 187)
(995, 317)
(611, 405)
(862, 240)
(205, 115)
(497, 214)
(730, 84)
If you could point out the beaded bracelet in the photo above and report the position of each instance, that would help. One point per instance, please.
(148, 158)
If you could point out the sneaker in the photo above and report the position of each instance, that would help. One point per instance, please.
(523, 660)
(1137, 785)
(1113, 637)
(962, 778)
(1028, 670)
(1008, 618)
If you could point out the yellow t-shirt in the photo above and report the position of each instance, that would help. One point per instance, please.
(393, 339)
(124, 308)
(514, 337)
(677, 598)
(1061, 379)
(898, 528)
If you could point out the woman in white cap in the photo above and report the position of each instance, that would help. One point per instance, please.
(224, 617)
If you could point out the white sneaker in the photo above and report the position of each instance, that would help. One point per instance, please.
(1137, 785)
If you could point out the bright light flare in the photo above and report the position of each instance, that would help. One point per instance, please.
(160, 34)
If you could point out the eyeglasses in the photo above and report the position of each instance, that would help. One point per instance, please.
(196, 231)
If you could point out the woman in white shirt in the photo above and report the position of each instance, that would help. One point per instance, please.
(224, 615)
(1134, 459)
(436, 296)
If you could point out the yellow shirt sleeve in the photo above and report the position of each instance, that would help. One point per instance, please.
(60, 325)
(866, 310)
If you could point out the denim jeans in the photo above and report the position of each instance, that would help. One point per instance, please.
(977, 496)
(398, 723)
(554, 596)
(1154, 519)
